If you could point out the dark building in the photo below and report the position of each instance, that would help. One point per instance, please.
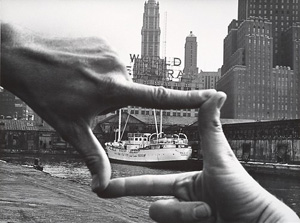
(31, 137)
(11, 107)
(281, 13)
(259, 86)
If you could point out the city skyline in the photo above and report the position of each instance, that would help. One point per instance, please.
(207, 19)
(259, 84)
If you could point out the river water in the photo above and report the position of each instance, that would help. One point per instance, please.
(284, 188)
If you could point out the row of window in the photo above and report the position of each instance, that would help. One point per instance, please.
(275, 1)
(165, 113)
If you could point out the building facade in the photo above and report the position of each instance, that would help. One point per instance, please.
(209, 79)
(150, 62)
(190, 54)
(151, 30)
(11, 107)
(281, 13)
(259, 86)
(31, 137)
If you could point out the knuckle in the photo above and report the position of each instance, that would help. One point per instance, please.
(160, 95)
(181, 188)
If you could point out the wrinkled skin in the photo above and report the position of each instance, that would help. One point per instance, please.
(70, 81)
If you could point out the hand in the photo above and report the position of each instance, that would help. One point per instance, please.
(68, 82)
(222, 192)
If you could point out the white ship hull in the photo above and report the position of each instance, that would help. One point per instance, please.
(149, 155)
(146, 148)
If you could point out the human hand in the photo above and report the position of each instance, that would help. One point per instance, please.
(222, 192)
(68, 82)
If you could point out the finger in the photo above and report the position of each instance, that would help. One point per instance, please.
(145, 185)
(80, 135)
(175, 211)
(164, 98)
(216, 149)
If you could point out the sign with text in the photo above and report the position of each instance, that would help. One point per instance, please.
(169, 68)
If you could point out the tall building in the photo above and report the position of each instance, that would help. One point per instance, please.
(150, 63)
(151, 30)
(190, 54)
(281, 13)
(259, 81)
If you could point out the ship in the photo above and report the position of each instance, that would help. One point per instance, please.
(150, 149)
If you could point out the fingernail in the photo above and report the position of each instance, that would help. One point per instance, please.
(209, 93)
(201, 211)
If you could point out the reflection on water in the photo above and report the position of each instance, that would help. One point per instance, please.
(76, 170)
(286, 189)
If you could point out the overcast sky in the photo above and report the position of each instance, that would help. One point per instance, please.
(120, 23)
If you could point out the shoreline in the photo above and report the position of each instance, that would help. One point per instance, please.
(29, 195)
(275, 169)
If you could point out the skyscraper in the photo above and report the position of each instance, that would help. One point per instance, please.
(151, 30)
(260, 72)
(190, 54)
(150, 65)
(150, 69)
(281, 13)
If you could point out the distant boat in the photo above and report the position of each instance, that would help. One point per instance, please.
(149, 149)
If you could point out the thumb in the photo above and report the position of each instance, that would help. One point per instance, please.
(216, 149)
(80, 135)
(209, 114)
(175, 211)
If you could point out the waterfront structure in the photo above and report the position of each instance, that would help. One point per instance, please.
(265, 141)
(190, 54)
(259, 86)
(32, 137)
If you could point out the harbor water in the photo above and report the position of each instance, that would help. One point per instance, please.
(284, 188)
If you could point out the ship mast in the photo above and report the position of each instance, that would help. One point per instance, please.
(119, 128)
(164, 56)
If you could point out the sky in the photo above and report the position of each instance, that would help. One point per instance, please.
(120, 23)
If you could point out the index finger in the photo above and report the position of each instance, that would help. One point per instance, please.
(145, 185)
(164, 98)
